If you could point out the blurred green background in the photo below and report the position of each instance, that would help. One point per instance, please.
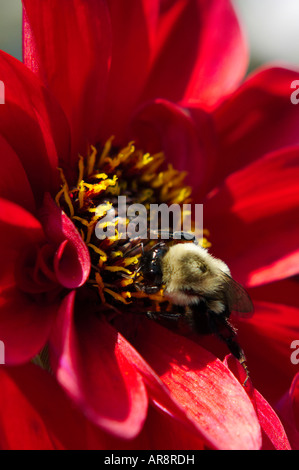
(271, 26)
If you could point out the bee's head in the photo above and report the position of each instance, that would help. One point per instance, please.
(151, 265)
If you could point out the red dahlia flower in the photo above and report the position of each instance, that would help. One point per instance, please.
(164, 74)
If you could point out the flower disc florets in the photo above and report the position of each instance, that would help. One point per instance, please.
(103, 176)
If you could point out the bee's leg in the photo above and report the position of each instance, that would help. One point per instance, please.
(150, 289)
(222, 328)
(139, 245)
(146, 289)
(139, 286)
(171, 320)
(164, 316)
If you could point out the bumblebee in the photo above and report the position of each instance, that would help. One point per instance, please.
(200, 285)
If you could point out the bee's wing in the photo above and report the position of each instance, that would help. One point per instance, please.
(237, 298)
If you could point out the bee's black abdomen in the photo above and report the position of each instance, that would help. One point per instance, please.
(207, 322)
(200, 319)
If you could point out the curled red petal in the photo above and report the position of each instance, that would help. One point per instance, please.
(96, 374)
(72, 260)
(24, 330)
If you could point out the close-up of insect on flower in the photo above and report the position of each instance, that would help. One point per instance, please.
(122, 122)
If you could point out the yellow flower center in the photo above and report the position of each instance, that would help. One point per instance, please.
(104, 175)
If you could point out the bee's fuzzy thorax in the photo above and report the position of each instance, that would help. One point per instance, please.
(189, 272)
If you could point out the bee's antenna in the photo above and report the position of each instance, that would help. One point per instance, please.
(185, 236)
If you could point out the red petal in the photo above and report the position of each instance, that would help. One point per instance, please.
(202, 385)
(68, 45)
(193, 38)
(35, 414)
(259, 118)
(163, 126)
(22, 427)
(33, 124)
(14, 184)
(266, 339)
(95, 374)
(253, 219)
(72, 261)
(23, 328)
(18, 229)
(132, 36)
(160, 432)
(288, 411)
(164, 432)
(284, 292)
(25, 325)
(275, 436)
(159, 392)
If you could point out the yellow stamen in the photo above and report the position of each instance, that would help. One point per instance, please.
(100, 252)
(81, 169)
(102, 186)
(65, 189)
(100, 286)
(83, 221)
(58, 196)
(114, 269)
(102, 209)
(142, 295)
(116, 296)
(126, 282)
(106, 151)
(116, 254)
(132, 260)
(91, 159)
(81, 193)
(122, 156)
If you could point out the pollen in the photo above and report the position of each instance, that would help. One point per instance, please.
(103, 175)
